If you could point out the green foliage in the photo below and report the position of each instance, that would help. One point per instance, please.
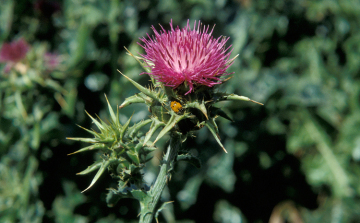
(63, 206)
(17, 190)
(299, 58)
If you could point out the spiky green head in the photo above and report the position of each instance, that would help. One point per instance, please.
(124, 151)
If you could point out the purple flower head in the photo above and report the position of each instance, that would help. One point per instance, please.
(187, 55)
(52, 60)
(14, 51)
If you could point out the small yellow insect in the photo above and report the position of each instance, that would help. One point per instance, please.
(176, 106)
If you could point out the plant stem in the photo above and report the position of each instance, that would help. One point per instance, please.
(148, 207)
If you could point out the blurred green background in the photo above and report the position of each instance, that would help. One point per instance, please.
(295, 159)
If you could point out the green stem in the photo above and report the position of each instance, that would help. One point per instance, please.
(149, 205)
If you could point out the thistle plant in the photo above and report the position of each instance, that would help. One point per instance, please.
(185, 66)
(28, 120)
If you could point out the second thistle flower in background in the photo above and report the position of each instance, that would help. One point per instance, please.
(13, 52)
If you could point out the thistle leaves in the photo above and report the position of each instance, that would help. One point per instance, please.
(133, 130)
(98, 124)
(101, 170)
(91, 168)
(88, 140)
(154, 126)
(122, 146)
(234, 97)
(160, 209)
(174, 119)
(221, 113)
(211, 125)
(148, 92)
(137, 98)
(199, 106)
(88, 148)
(123, 130)
(114, 118)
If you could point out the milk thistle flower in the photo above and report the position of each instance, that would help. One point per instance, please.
(52, 61)
(186, 56)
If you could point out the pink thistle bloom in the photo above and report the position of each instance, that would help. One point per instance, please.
(13, 52)
(184, 55)
(52, 60)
